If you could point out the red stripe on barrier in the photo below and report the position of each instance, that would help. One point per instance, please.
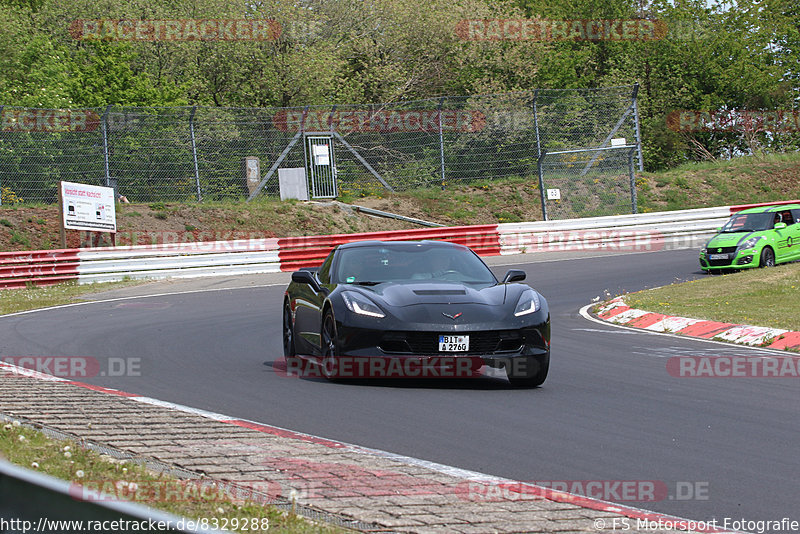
(735, 209)
(36, 256)
(43, 269)
(46, 281)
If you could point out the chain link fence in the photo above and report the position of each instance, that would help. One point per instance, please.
(198, 153)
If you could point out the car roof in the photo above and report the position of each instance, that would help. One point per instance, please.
(398, 244)
(770, 209)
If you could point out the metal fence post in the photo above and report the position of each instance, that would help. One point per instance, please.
(539, 162)
(441, 139)
(636, 123)
(632, 175)
(105, 145)
(194, 155)
(536, 123)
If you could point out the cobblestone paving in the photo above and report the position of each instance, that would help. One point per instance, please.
(397, 493)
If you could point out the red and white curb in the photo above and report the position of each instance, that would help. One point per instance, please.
(617, 312)
(455, 472)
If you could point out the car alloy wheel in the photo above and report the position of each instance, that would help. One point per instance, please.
(767, 257)
(329, 347)
(288, 333)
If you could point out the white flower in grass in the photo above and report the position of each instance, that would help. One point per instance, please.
(220, 510)
(35, 465)
(15, 423)
(67, 448)
(22, 438)
(79, 473)
(7, 427)
(67, 454)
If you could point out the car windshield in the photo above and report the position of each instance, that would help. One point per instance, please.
(748, 222)
(370, 265)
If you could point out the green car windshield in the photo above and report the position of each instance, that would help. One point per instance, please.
(749, 222)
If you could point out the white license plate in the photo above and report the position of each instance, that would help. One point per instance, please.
(717, 256)
(453, 343)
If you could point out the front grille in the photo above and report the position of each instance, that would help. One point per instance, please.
(720, 250)
(427, 343)
(719, 263)
(731, 251)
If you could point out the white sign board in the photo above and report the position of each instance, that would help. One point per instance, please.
(321, 155)
(88, 207)
(618, 141)
(554, 194)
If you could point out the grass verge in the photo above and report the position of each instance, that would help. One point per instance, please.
(35, 297)
(761, 297)
(126, 480)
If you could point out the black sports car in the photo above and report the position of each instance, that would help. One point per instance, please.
(413, 309)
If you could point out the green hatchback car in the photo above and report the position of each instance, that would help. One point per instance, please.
(756, 237)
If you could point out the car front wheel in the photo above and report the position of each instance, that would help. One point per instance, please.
(767, 257)
(528, 372)
(330, 349)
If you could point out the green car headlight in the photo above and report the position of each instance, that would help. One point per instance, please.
(750, 243)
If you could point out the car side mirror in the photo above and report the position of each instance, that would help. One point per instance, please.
(514, 275)
(718, 230)
(305, 277)
(779, 225)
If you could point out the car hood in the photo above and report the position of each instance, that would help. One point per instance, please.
(423, 293)
(730, 239)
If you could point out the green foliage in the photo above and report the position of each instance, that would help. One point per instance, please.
(712, 57)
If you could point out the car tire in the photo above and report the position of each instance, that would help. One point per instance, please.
(529, 373)
(767, 257)
(289, 348)
(329, 346)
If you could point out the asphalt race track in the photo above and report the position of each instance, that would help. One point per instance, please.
(608, 411)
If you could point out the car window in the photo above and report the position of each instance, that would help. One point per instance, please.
(324, 273)
(749, 222)
(402, 262)
(796, 215)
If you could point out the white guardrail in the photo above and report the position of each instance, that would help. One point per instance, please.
(623, 233)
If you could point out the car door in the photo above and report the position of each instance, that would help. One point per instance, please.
(785, 245)
(793, 244)
(308, 310)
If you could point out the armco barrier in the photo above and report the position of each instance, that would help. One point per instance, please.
(623, 233)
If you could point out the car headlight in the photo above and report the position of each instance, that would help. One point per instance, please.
(361, 305)
(750, 243)
(528, 303)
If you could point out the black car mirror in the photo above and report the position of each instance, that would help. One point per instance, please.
(305, 277)
(514, 275)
